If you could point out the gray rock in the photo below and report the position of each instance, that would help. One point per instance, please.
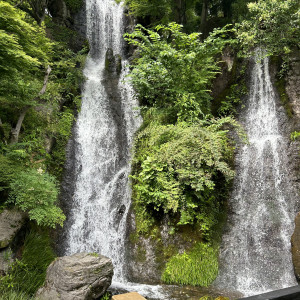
(81, 276)
(11, 222)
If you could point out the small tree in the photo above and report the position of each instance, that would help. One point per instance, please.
(24, 55)
(272, 24)
(36, 192)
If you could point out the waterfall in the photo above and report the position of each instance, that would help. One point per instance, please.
(255, 253)
(96, 187)
(103, 138)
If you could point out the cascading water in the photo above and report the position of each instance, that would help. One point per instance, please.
(255, 252)
(98, 167)
(103, 138)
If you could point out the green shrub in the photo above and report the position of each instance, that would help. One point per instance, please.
(181, 170)
(174, 70)
(198, 267)
(29, 273)
(36, 193)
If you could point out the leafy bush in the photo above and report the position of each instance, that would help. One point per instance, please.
(180, 170)
(36, 193)
(199, 267)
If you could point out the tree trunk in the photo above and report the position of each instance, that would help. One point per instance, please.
(204, 18)
(37, 9)
(180, 11)
(16, 131)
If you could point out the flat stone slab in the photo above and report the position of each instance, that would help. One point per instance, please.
(129, 296)
(291, 293)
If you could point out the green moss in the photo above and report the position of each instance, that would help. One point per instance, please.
(94, 254)
(141, 254)
(280, 85)
(198, 267)
(74, 5)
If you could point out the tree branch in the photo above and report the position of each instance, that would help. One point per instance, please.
(16, 131)
(46, 78)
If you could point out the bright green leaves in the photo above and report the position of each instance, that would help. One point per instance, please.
(179, 166)
(24, 53)
(273, 24)
(22, 44)
(36, 193)
(174, 70)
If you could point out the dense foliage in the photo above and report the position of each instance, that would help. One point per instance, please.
(273, 25)
(40, 78)
(179, 170)
(39, 90)
(194, 15)
(174, 70)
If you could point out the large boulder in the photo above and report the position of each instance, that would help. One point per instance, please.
(81, 276)
(296, 247)
(11, 222)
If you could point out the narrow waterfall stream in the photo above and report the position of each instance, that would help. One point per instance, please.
(255, 253)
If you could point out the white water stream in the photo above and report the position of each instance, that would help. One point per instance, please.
(255, 252)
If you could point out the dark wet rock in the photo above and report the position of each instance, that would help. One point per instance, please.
(81, 276)
(113, 63)
(11, 221)
(293, 86)
(296, 247)
(60, 12)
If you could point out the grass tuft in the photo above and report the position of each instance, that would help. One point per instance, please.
(198, 267)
